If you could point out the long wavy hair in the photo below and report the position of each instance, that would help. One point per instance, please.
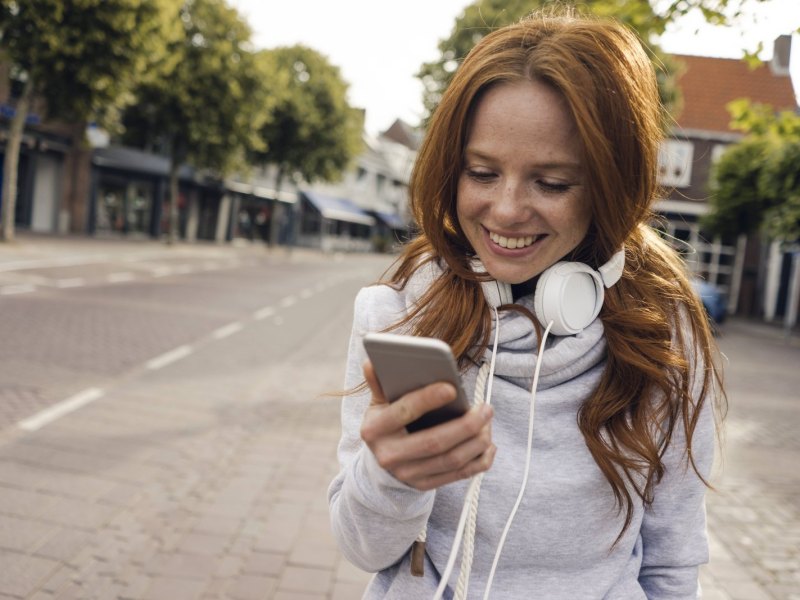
(655, 326)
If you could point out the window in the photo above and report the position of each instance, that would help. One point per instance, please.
(675, 163)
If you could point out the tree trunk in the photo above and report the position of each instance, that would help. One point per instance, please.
(172, 222)
(11, 163)
(277, 211)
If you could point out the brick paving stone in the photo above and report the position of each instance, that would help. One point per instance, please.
(175, 588)
(189, 566)
(21, 574)
(286, 595)
(21, 534)
(63, 543)
(252, 587)
(344, 590)
(204, 544)
(264, 563)
(746, 590)
(303, 579)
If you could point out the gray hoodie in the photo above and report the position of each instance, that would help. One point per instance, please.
(561, 542)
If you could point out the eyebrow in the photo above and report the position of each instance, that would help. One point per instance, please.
(567, 165)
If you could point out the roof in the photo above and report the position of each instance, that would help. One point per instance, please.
(338, 209)
(709, 84)
(403, 133)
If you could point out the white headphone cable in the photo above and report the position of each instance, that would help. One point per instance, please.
(527, 464)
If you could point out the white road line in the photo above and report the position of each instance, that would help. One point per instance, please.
(169, 357)
(71, 282)
(288, 301)
(22, 288)
(120, 277)
(227, 330)
(161, 272)
(64, 407)
(263, 313)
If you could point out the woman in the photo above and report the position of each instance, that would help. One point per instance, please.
(542, 150)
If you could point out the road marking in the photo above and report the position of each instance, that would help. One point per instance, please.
(227, 330)
(64, 407)
(263, 313)
(120, 277)
(161, 272)
(168, 357)
(22, 288)
(288, 301)
(71, 282)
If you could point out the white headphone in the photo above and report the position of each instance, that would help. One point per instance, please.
(570, 294)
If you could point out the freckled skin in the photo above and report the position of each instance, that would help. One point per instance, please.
(522, 178)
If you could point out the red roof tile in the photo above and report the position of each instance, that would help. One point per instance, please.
(708, 84)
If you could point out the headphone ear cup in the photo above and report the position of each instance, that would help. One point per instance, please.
(496, 293)
(570, 294)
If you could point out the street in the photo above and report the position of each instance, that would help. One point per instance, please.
(169, 419)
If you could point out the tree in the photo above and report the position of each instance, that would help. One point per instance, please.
(483, 16)
(756, 183)
(207, 104)
(312, 131)
(80, 58)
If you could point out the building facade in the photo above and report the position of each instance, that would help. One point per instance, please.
(739, 267)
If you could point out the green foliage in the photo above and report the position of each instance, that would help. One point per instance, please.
(205, 104)
(83, 56)
(312, 130)
(756, 183)
(483, 16)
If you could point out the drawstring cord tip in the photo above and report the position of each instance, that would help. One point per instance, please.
(418, 559)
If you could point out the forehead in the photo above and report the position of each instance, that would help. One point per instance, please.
(527, 116)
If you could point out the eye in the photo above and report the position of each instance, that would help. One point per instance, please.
(553, 187)
(480, 175)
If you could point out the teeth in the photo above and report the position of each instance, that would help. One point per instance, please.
(512, 243)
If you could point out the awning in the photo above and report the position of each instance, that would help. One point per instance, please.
(338, 209)
(260, 191)
(392, 220)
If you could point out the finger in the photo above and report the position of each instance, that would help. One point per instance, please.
(478, 465)
(378, 396)
(438, 440)
(413, 405)
(451, 461)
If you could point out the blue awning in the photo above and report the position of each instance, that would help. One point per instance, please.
(338, 209)
(392, 220)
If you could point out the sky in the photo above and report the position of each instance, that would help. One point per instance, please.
(379, 45)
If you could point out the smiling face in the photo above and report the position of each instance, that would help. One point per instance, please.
(521, 200)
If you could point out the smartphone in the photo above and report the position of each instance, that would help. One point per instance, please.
(404, 363)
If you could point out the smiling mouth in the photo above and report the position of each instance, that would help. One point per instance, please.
(513, 242)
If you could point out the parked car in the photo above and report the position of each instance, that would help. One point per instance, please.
(713, 299)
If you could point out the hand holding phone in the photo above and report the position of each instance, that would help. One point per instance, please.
(406, 363)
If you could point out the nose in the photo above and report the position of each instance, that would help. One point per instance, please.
(512, 205)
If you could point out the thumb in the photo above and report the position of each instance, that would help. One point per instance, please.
(378, 396)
